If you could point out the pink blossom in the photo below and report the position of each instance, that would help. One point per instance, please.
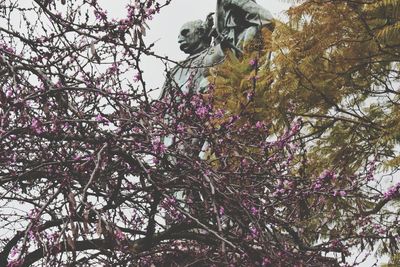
(211, 87)
(100, 118)
(336, 243)
(113, 69)
(202, 111)
(158, 146)
(15, 263)
(254, 211)
(233, 118)
(317, 186)
(150, 12)
(392, 192)
(250, 95)
(221, 211)
(253, 62)
(326, 175)
(7, 48)
(100, 14)
(245, 162)
(296, 126)
(341, 193)
(219, 113)
(155, 160)
(137, 77)
(131, 10)
(123, 24)
(259, 124)
(14, 252)
(9, 93)
(180, 128)
(266, 262)
(37, 126)
(119, 235)
(254, 232)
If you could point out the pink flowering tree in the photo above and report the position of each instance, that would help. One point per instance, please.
(87, 178)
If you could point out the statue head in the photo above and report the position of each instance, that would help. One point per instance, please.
(194, 36)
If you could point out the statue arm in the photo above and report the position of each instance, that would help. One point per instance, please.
(254, 12)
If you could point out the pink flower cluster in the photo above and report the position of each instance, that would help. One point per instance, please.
(392, 192)
(158, 146)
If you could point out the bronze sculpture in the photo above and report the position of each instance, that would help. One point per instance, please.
(190, 76)
(237, 22)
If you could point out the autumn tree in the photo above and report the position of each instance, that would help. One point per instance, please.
(335, 65)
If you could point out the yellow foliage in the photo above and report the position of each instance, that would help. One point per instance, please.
(240, 87)
(336, 65)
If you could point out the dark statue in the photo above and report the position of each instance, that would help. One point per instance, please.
(240, 20)
(237, 22)
(191, 74)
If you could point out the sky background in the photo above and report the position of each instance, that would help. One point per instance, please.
(164, 30)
